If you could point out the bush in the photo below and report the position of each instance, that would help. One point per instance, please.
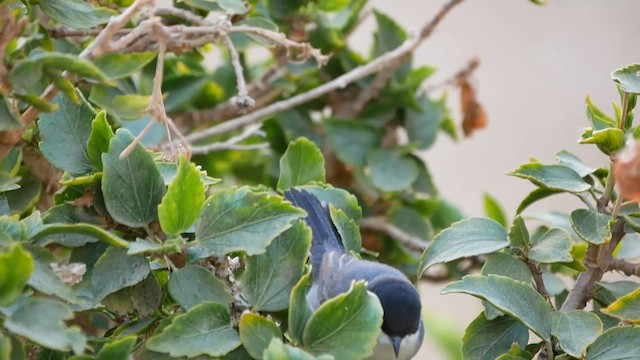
(117, 242)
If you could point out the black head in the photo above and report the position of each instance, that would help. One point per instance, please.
(401, 305)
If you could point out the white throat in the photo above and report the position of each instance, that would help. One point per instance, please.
(408, 347)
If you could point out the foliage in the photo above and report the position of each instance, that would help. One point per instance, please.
(519, 280)
(113, 241)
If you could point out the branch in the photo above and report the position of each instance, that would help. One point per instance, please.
(537, 278)
(586, 282)
(373, 90)
(380, 224)
(626, 267)
(242, 100)
(233, 143)
(340, 82)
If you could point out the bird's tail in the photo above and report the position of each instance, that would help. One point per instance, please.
(325, 234)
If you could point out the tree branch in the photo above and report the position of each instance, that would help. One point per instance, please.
(380, 224)
(626, 267)
(379, 64)
(586, 282)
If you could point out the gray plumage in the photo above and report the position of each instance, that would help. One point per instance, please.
(334, 270)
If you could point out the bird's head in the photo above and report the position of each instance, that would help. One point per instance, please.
(401, 306)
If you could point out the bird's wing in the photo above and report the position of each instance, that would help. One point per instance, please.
(329, 277)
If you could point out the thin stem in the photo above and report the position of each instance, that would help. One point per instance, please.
(625, 110)
(380, 224)
(242, 100)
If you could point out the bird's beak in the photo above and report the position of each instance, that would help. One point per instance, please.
(396, 340)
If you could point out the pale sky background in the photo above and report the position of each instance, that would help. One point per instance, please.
(538, 63)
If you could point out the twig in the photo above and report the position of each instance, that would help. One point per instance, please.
(338, 83)
(626, 267)
(537, 278)
(102, 41)
(242, 100)
(156, 103)
(306, 50)
(380, 224)
(373, 90)
(233, 143)
(586, 282)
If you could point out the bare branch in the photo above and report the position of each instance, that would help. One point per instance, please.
(597, 261)
(340, 82)
(306, 50)
(626, 267)
(380, 224)
(537, 278)
(242, 100)
(233, 143)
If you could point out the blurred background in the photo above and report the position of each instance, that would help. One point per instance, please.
(538, 64)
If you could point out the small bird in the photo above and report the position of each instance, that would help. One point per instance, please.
(334, 269)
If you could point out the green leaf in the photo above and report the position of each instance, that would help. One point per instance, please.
(118, 349)
(617, 343)
(258, 22)
(599, 120)
(181, 205)
(239, 220)
(534, 196)
(575, 330)
(98, 143)
(118, 66)
(64, 135)
(301, 164)
(422, 126)
(390, 171)
(8, 119)
(80, 229)
(115, 270)
(494, 211)
(628, 77)
(388, 37)
(569, 160)
(69, 62)
(269, 278)
(465, 238)
(609, 141)
(42, 321)
(299, 309)
(553, 246)
(192, 285)
(76, 13)
(513, 297)
(591, 226)
(487, 339)
(131, 106)
(46, 281)
(505, 265)
(518, 234)
(277, 350)
(339, 198)
(144, 297)
(554, 177)
(234, 6)
(16, 266)
(412, 222)
(607, 293)
(346, 326)
(348, 230)
(332, 5)
(204, 330)
(256, 332)
(132, 187)
(626, 308)
(211, 5)
(352, 141)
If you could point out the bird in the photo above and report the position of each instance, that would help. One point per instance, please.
(333, 270)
